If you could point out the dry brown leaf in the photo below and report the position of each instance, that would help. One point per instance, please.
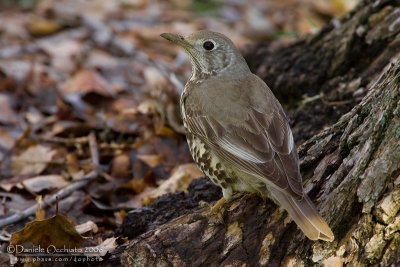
(120, 216)
(142, 187)
(308, 22)
(180, 179)
(14, 202)
(151, 160)
(65, 55)
(7, 114)
(149, 106)
(73, 167)
(34, 116)
(101, 59)
(44, 182)
(88, 81)
(56, 231)
(106, 246)
(7, 141)
(166, 131)
(257, 26)
(121, 165)
(8, 186)
(61, 127)
(14, 26)
(154, 78)
(19, 69)
(88, 226)
(125, 105)
(142, 199)
(137, 185)
(43, 27)
(6, 81)
(134, 4)
(32, 161)
(333, 8)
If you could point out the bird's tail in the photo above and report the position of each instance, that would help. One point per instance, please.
(305, 215)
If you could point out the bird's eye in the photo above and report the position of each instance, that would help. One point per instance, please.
(208, 45)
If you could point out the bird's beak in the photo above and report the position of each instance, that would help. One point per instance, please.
(177, 39)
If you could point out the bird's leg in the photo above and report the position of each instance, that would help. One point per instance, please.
(227, 195)
(218, 205)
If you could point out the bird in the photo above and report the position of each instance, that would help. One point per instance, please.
(238, 133)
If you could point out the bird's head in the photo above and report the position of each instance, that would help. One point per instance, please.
(211, 53)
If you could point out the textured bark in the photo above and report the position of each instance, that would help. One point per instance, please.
(332, 67)
(351, 169)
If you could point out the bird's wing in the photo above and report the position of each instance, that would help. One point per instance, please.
(260, 145)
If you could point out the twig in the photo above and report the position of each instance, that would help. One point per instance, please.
(94, 151)
(84, 140)
(66, 141)
(335, 103)
(66, 191)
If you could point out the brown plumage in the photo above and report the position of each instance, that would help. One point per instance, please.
(238, 132)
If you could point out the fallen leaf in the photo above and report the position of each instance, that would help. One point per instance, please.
(34, 116)
(154, 78)
(151, 160)
(149, 106)
(13, 182)
(7, 141)
(7, 114)
(142, 199)
(64, 128)
(86, 91)
(334, 7)
(73, 167)
(120, 216)
(32, 161)
(14, 202)
(180, 179)
(87, 81)
(166, 132)
(257, 26)
(5, 236)
(13, 26)
(44, 182)
(65, 55)
(101, 59)
(121, 165)
(134, 4)
(137, 185)
(101, 250)
(88, 226)
(56, 231)
(19, 69)
(43, 27)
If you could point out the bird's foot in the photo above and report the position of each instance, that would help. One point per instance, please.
(216, 211)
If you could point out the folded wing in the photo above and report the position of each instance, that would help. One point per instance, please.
(260, 145)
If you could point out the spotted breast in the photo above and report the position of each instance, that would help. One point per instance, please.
(209, 163)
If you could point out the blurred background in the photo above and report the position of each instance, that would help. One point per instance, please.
(251, 20)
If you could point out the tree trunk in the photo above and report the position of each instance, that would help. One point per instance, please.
(351, 169)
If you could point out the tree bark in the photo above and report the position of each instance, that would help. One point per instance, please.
(332, 67)
(351, 169)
